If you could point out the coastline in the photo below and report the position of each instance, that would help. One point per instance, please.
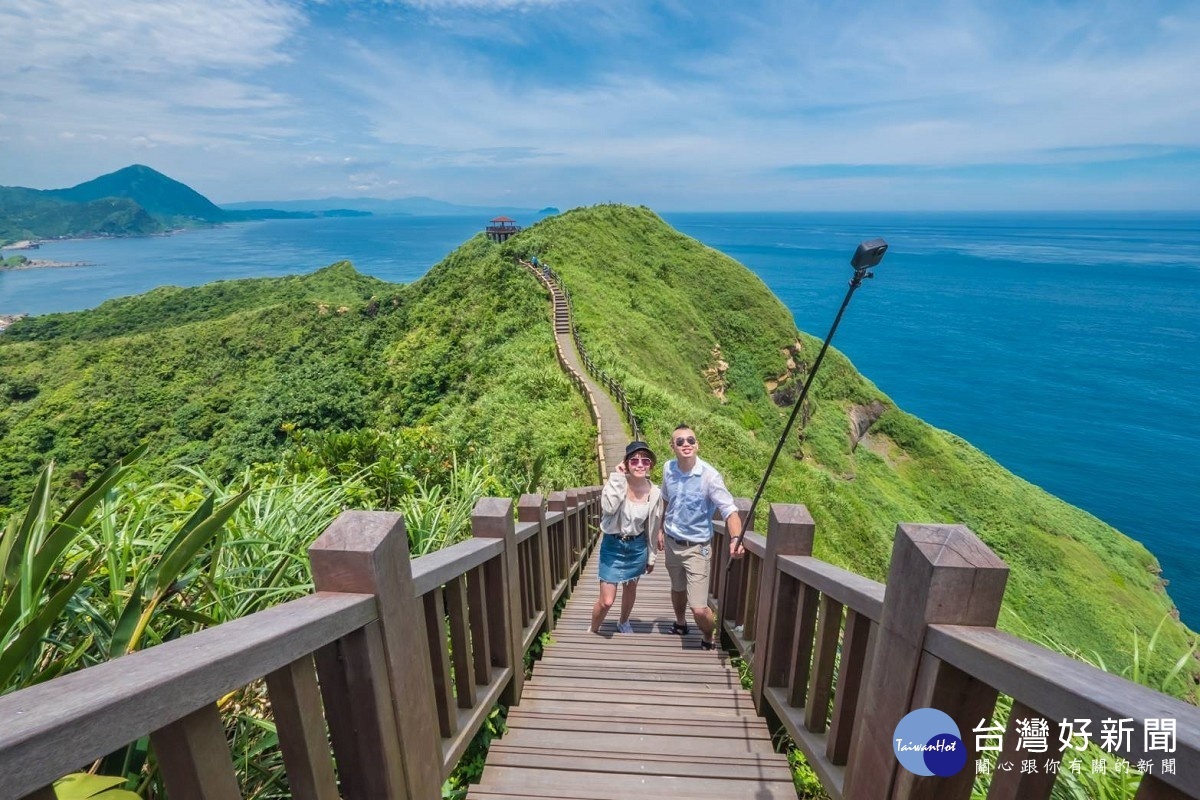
(38, 263)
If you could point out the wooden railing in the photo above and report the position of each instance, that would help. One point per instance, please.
(572, 374)
(401, 660)
(840, 659)
(551, 278)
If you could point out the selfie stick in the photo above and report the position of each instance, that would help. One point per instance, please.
(867, 256)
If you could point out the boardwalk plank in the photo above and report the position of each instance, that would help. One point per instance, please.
(647, 715)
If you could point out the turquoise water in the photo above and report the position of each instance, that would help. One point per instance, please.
(1062, 345)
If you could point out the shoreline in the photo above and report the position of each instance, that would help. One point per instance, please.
(39, 263)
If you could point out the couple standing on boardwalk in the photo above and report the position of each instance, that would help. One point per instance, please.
(638, 519)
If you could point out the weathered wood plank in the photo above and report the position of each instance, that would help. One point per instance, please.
(1016, 784)
(440, 566)
(604, 786)
(816, 704)
(802, 646)
(300, 724)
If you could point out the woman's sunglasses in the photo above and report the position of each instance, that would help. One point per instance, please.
(641, 461)
(681, 441)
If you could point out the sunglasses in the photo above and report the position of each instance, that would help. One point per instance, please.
(641, 461)
(681, 441)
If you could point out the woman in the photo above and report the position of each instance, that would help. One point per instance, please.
(631, 507)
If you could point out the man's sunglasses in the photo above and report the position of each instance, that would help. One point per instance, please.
(680, 441)
(641, 461)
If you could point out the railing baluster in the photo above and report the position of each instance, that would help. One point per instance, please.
(530, 508)
(1018, 784)
(855, 649)
(460, 642)
(193, 756)
(439, 660)
(802, 645)
(300, 723)
(820, 688)
(481, 647)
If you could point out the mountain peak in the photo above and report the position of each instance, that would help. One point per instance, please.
(149, 188)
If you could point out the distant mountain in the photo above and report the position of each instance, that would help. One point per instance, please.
(548, 211)
(414, 206)
(161, 196)
(133, 201)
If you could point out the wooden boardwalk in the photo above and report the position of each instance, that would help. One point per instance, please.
(646, 715)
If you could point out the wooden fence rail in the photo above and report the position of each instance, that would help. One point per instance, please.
(839, 659)
(400, 660)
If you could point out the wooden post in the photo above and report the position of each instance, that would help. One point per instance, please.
(367, 552)
(939, 574)
(790, 530)
(493, 519)
(530, 508)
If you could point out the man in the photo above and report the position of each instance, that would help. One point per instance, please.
(692, 491)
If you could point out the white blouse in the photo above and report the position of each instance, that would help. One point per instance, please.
(634, 518)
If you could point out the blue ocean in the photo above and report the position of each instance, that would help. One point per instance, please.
(1063, 345)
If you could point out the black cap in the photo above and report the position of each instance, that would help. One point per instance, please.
(634, 447)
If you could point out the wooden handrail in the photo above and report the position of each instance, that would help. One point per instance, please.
(457, 621)
(925, 639)
(54, 727)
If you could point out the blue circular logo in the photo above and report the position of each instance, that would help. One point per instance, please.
(927, 742)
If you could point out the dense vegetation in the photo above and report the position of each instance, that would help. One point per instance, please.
(30, 214)
(267, 405)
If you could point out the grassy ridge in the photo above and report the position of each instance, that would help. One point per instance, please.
(654, 306)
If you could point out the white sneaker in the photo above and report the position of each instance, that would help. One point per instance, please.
(624, 627)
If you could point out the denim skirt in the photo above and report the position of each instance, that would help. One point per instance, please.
(622, 561)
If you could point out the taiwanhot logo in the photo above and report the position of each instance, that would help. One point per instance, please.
(927, 742)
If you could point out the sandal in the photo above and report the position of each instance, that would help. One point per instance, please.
(707, 645)
(679, 628)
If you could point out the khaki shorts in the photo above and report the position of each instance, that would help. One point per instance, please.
(688, 567)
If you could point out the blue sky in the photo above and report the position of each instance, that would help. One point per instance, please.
(681, 106)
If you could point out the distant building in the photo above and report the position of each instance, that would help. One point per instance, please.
(501, 228)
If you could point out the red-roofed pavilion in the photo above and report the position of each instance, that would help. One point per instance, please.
(500, 228)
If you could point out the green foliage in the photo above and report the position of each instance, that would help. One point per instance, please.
(30, 214)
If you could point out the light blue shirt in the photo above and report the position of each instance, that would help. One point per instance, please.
(691, 498)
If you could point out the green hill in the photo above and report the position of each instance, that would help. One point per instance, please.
(161, 196)
(133, 201)
(215, 375)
